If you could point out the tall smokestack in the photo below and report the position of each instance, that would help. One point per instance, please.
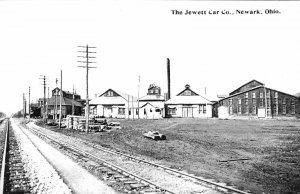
(169, 79)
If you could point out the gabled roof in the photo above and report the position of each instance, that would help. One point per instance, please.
(254, 89)
(120, 99)
(192, 98)
(66, 92)
(257, 83)
(187, 88)
(153, 104)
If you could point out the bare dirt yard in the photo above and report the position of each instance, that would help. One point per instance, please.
(261, 156)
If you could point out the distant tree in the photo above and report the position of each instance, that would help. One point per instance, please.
(2, 115)
(18, 114)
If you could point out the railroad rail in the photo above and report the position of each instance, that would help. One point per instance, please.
(13, 175)
(217, 186)
(126, 177)
(3, 159)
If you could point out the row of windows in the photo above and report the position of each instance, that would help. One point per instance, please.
(202, 110)
(246, 95)
(122, 111)
(254, 109)
(261, 100)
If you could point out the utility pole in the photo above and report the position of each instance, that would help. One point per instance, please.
(24, 106)
(87, 67)
(132, 107)
(47, 102)
(139, 99)
(73, 107)
(55, 108)
(29, 103)
(265, 91)
(44, 79)
(60, 99)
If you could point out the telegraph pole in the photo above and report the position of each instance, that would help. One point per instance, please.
(55, 108)
(44, 79)
(29, 103)
(24, 106)
(60, 99)
(87, 67)
(139, 99)
(73, 107)
(47, 102)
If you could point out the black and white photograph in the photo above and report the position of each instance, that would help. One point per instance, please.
(149, 97)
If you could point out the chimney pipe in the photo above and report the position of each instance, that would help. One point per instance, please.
(169, 80)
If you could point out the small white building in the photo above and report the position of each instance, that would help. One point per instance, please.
(152, 105)
(189, 104)
(114, 104)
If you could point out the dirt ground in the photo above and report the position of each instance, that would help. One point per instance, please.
(264, 154)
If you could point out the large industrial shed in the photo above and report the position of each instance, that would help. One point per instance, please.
(254, 100)
(189, 104)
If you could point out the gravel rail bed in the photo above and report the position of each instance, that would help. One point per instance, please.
(16, 179)
(3, 123)
(41, 177)
(163, 178)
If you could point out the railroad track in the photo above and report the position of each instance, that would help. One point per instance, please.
(114, 173)
(13, 175)
(207, 183)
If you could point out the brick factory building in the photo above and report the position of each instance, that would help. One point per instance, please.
(254, 100)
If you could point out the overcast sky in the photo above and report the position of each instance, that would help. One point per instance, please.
(219, 52)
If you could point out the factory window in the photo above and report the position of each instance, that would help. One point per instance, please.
(246, 95)
(230, 110)
(268, 94)
(275, 109)
(110, 93)
(202, 109)
(246, 101)
(287, 100)
(187, 93)
(121, 111)
(261, 102)
(261, 95)
(276, 94)
(240, 101)
(239, 109)
(283, 101)
(293, 109)
(230, 101)
(246, 109)
(284, 109)
(172, 111)
(254, 101)
(254, 109)
(253, 95)
(292, 101)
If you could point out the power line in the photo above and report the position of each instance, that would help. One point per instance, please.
(87, 67)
